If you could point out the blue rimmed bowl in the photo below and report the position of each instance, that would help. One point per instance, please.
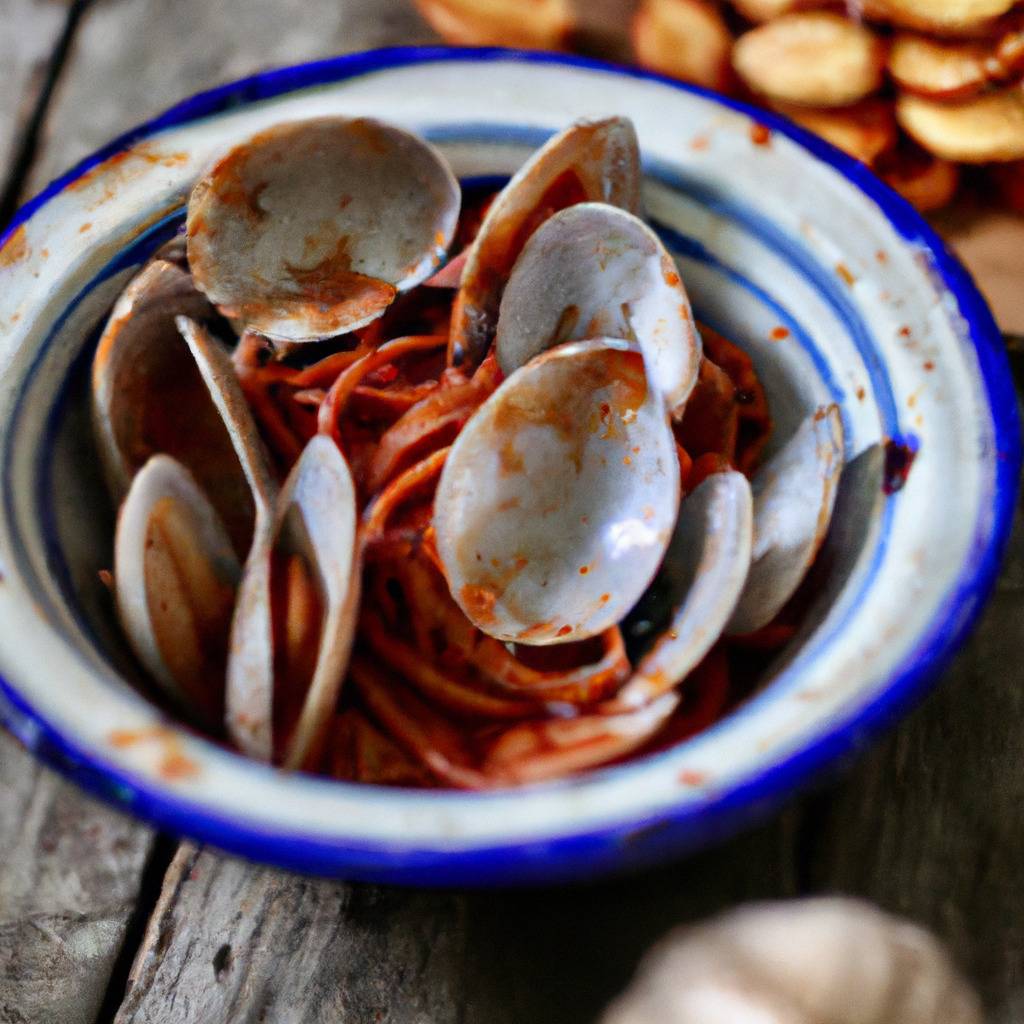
(835, 286)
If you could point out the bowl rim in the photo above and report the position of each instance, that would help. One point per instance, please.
(672, 830)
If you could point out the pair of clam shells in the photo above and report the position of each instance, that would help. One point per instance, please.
(559, 501)
(560, 498)
(224, 580)
(196, 567)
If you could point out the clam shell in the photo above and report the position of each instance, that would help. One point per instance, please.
(593, 270)
(315, 518)
(310, 228)
(148, 396)
(793, 497)
(559, 496)
(218, 373)
(705, 569)
(595, 161)
(857, 520)
(175, 574)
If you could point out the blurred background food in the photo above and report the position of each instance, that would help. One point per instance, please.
(927, 93)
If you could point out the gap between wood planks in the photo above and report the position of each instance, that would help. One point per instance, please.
(25, 151)
(161, 854)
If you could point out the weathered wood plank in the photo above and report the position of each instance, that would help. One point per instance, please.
(931, 824)
(233, 942)
(70, 868)
(69, 878)
(30, 29)
(133, 58)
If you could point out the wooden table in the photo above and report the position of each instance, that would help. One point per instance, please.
(102, 919)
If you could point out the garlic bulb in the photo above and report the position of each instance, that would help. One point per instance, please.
(815, 961)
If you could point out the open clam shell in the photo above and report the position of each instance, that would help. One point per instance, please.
(594, 270)
(296, 614)
(705, 569)
(591, 161)
(175, 574)
(148, 396)
(793, 497)
(310, 228)
(857, 521)
(218, 373)
(558, 497)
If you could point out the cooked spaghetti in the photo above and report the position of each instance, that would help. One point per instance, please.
(430, 700)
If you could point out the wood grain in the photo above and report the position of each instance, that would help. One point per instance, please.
(69, 868)
(69, 879)
(133, 58)
(29, 30)
(931, 824)
(233, 942)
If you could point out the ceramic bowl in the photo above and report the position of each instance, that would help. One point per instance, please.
(836, 287)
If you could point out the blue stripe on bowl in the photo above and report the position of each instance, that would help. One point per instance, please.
(693, 249)
(822, 637)
(599, 850)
